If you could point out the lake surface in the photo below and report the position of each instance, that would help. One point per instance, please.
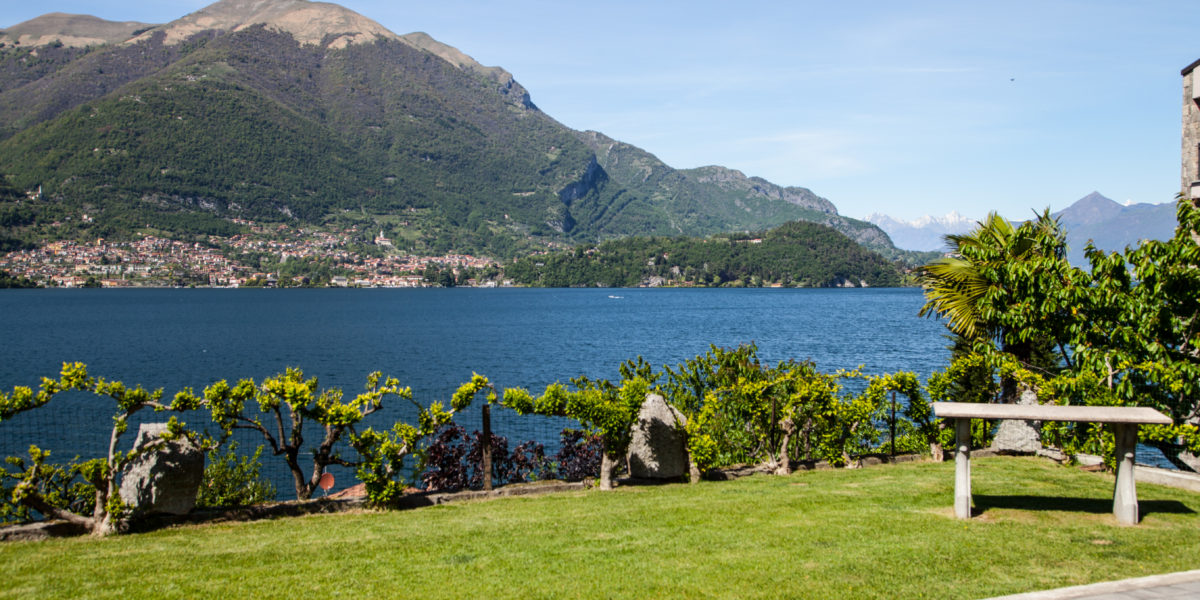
(431, 339)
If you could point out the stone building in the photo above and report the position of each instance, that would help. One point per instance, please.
(1190, 182)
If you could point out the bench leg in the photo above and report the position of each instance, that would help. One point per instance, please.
(1125, 504)
(962, 468)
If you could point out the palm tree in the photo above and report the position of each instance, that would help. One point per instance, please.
(956, 284)
(973, 287)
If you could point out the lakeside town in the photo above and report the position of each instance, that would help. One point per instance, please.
(259, 258)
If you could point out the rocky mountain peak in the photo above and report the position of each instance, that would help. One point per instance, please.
(1090, 209)
(323, 23)
(308, 22)
(70, 30)
(454, 56)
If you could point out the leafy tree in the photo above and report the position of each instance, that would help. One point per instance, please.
(725, 426)
(968, 378)
(59, 486)
(39, 485)
(956, 285)
(383, 452)
(286, 402)
(1138, 336)
(598, 405)
(1007, 288)
(741, 411)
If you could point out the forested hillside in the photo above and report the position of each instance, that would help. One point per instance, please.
(797, 254)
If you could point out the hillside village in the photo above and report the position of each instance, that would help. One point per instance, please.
(230, 262)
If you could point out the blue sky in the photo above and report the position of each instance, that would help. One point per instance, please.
(906, 108)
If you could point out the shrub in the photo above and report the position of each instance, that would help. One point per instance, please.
(579, 455)
(443, 464)
(233, 480)
(453, 461)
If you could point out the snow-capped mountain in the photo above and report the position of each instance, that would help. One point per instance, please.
(1104, 222)
(924, 234)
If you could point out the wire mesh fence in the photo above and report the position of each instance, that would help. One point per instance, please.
(78, 425)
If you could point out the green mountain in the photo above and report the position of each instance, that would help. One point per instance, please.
(289, 110)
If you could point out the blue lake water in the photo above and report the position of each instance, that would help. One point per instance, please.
(431, 339)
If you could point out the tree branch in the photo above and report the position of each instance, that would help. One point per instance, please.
(35, 501)
(256, 426)
(279, 425)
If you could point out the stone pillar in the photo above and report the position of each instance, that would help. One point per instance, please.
(962, 468)
(1125, 504)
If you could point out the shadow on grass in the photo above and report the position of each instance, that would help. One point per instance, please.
(983, 503)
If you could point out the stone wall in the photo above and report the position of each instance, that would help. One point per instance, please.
(1191, 131)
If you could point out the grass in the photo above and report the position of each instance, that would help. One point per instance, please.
(882, 532)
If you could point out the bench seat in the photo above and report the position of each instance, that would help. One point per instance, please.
(1051, 412)
(1124, 420)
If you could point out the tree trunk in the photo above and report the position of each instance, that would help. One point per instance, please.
(303, 491)
(607, 465)
(784, 464)
(806, 432)
(107, 526)
(487, 447)
(98, 511)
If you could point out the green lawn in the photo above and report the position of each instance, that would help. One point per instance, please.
(880, 532)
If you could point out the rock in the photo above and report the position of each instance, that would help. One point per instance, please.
(658, 449)
(40, 530)
(354, 491)
(1053, 454)
(1019, 436)
(165, 480)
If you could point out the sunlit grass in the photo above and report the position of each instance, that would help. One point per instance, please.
(882, 532)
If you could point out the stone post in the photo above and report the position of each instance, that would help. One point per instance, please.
(962, 468)
(1125, 504)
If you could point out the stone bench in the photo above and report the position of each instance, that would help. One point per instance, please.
(1124, 419)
